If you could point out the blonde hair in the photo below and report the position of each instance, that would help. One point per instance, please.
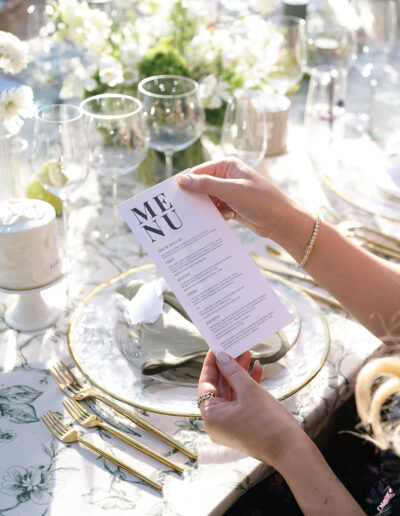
(376, 383)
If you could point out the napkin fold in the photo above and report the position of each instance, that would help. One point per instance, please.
(172, 339)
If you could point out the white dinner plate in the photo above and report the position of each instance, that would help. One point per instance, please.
(98, 332)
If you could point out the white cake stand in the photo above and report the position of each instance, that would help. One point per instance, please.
(31, 312)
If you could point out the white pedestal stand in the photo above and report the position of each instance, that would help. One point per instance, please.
(30, 312)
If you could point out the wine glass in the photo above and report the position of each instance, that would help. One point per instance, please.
(377, 33)
(289, 47)
(244, 131)
(59, 153)
(329, 43)
(118, 139)
(173, 112)
(325, 108)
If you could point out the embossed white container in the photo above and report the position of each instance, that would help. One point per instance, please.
(13, 166)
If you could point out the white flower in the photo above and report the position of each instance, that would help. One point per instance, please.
(15, 104)
(130, 54)
(110, 71)
(80, 78)
(212, 92)
(13, 53)
(131, 75)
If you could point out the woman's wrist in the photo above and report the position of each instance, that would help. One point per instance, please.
(296, 444)
(293, 229)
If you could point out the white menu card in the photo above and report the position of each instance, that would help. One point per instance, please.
(204, 264)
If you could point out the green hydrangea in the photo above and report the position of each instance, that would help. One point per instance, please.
(163, 60)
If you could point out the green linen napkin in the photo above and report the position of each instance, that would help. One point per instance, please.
(173, 340)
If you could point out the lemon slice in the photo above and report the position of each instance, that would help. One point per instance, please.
(35, 190)
(51, 174)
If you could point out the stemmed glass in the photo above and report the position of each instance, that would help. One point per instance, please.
(59, 153)
(244, 131)
(325, 108)
(289, 45)
(173, 112)
(118, 139)
(377, 33)
(330, 44)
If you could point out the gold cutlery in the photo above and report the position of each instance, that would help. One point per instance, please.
(279, 268)
(90, 420)
(371, 239)
(72, 387)
(312, 293)
(68, 434)
(354, 231)
(281, 255)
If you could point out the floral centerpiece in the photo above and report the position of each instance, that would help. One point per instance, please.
(15, 103)
(137, 39)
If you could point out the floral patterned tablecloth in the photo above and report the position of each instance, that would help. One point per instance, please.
(41, 476)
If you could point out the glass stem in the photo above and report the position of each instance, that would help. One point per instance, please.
(114, 181)
(67, 255)
(65, 217)
(168, 164)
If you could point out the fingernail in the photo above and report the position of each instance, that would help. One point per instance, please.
(223, 357)
(184, 179)
(257, 362)
(229, 215)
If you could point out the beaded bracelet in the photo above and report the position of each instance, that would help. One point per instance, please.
(309, 247)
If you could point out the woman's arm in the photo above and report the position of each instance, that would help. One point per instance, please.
(250, 420)
(367, 286)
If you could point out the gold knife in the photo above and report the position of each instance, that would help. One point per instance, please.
(280, 268)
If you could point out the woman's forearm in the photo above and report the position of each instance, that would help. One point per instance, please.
(314, 485)
(369, 287)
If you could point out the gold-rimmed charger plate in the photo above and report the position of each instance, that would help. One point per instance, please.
(97, 326)
(356, 173)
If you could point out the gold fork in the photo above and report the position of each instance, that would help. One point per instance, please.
(366, 237)
(72, 387)
(89, 420)
(67, 434)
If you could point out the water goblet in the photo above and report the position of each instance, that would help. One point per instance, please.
(59, 153)
(118, 139)
(377, 33)
(288, 41)
(173, 112)
(325, 107)
(244, 131)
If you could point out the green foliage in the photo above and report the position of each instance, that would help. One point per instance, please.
(163, 60)
(152, 169)
(190, 157)
(184, 27)
(215, 116)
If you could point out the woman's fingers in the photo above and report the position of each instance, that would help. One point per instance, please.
(211, 168)
(209, 375)
(244, 360)
(256, 372)
(233, 373)
(207, 184)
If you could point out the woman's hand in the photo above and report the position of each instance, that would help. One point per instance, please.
(241, 193)
(243, 415)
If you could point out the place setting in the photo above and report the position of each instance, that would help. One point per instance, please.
(116, 279)
(121, 350)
